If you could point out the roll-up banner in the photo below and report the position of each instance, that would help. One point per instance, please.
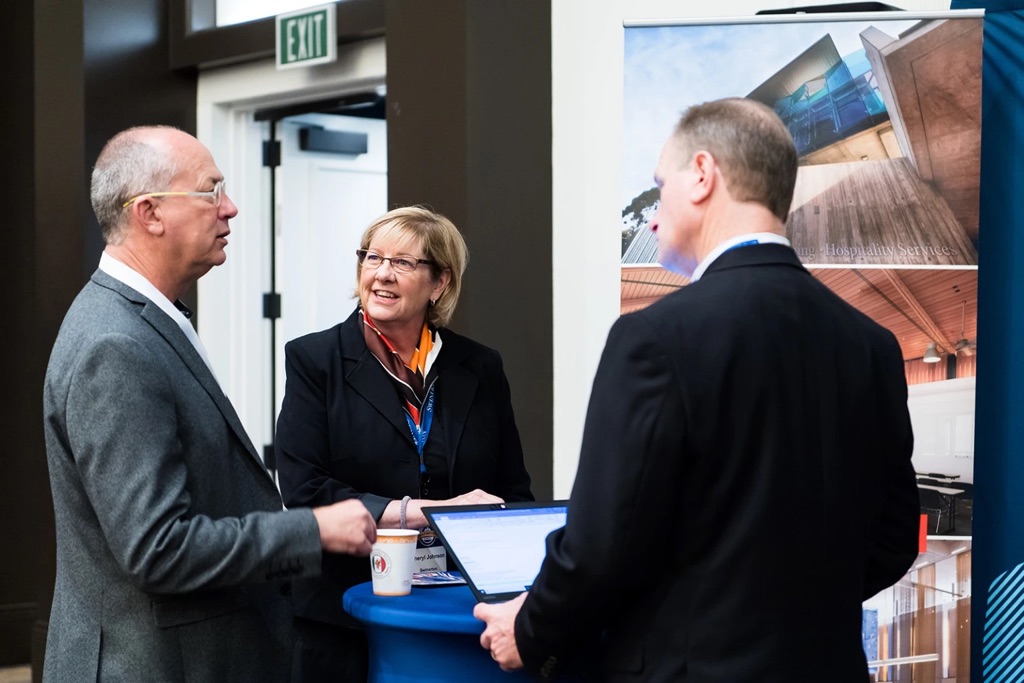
(886, 112)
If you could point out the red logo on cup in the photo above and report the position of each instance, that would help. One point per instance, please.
(380, 563)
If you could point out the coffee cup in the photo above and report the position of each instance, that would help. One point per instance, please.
(391, 561)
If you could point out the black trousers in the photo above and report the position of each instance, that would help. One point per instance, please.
(329, 653)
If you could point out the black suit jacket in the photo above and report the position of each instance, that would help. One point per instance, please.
(744, 484)
(342, 434)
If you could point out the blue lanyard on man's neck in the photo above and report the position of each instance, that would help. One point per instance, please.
(752, 239)
(748, 243)
(421, 431)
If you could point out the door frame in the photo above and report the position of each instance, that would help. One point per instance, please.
(230, 297)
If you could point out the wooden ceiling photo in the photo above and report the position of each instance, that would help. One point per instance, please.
(919, 305)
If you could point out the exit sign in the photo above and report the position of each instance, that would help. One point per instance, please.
(307, 37)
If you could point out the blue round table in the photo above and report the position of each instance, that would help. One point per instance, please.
(425, 637)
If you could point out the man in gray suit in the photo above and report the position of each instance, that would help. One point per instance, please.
(173, 551)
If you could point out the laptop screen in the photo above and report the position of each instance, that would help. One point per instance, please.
(498, 547)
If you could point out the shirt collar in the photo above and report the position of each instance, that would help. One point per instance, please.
(177, 311)
(124, 273)
(748, 239)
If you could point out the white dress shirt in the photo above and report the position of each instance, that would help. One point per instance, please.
(732, 243)
(122, 272)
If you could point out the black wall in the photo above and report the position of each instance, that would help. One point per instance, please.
(128, 83)
(469, 133)
(25, 516)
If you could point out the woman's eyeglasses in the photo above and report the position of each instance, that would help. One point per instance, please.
(401, 264)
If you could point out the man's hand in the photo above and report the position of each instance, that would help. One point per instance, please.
(346, 527)
(500, 634)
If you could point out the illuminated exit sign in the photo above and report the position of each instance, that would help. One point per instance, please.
(307, 37)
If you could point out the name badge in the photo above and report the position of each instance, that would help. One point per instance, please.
(430, 554)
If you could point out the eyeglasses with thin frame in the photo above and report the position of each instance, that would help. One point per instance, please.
(402, 264)
(216, 193)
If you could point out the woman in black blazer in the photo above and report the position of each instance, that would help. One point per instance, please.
(395, 410)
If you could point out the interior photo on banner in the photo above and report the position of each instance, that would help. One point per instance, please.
(885, 111)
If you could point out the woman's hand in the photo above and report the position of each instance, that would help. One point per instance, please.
(414, 518)
(474, 497)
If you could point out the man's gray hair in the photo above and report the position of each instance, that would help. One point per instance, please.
(128, 166)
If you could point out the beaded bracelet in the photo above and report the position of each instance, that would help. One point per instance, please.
(401, 512)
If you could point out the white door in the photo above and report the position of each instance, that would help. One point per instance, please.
(231, 322)
(324, 203)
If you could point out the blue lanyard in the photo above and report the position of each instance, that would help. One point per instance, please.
(422, 431)
(748, 243)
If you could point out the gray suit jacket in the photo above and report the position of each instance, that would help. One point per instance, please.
(173, 552)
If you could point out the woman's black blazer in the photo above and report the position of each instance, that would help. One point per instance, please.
(342, 434)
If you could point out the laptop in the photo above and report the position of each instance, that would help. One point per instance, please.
(498, 547)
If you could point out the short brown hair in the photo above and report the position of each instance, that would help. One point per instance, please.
(442, 243)
(751, 145)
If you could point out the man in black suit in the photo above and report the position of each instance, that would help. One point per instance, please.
(744, 481)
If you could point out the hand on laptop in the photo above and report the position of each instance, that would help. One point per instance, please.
(414, 519)
(499, 635)
(474, 497)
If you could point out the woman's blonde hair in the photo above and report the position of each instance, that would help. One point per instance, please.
(442, 243)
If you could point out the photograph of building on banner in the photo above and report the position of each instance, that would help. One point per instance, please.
(885, 112)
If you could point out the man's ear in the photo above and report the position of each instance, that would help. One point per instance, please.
(146, 213)
(706, 176)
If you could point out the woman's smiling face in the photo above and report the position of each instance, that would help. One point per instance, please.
(391, 297)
